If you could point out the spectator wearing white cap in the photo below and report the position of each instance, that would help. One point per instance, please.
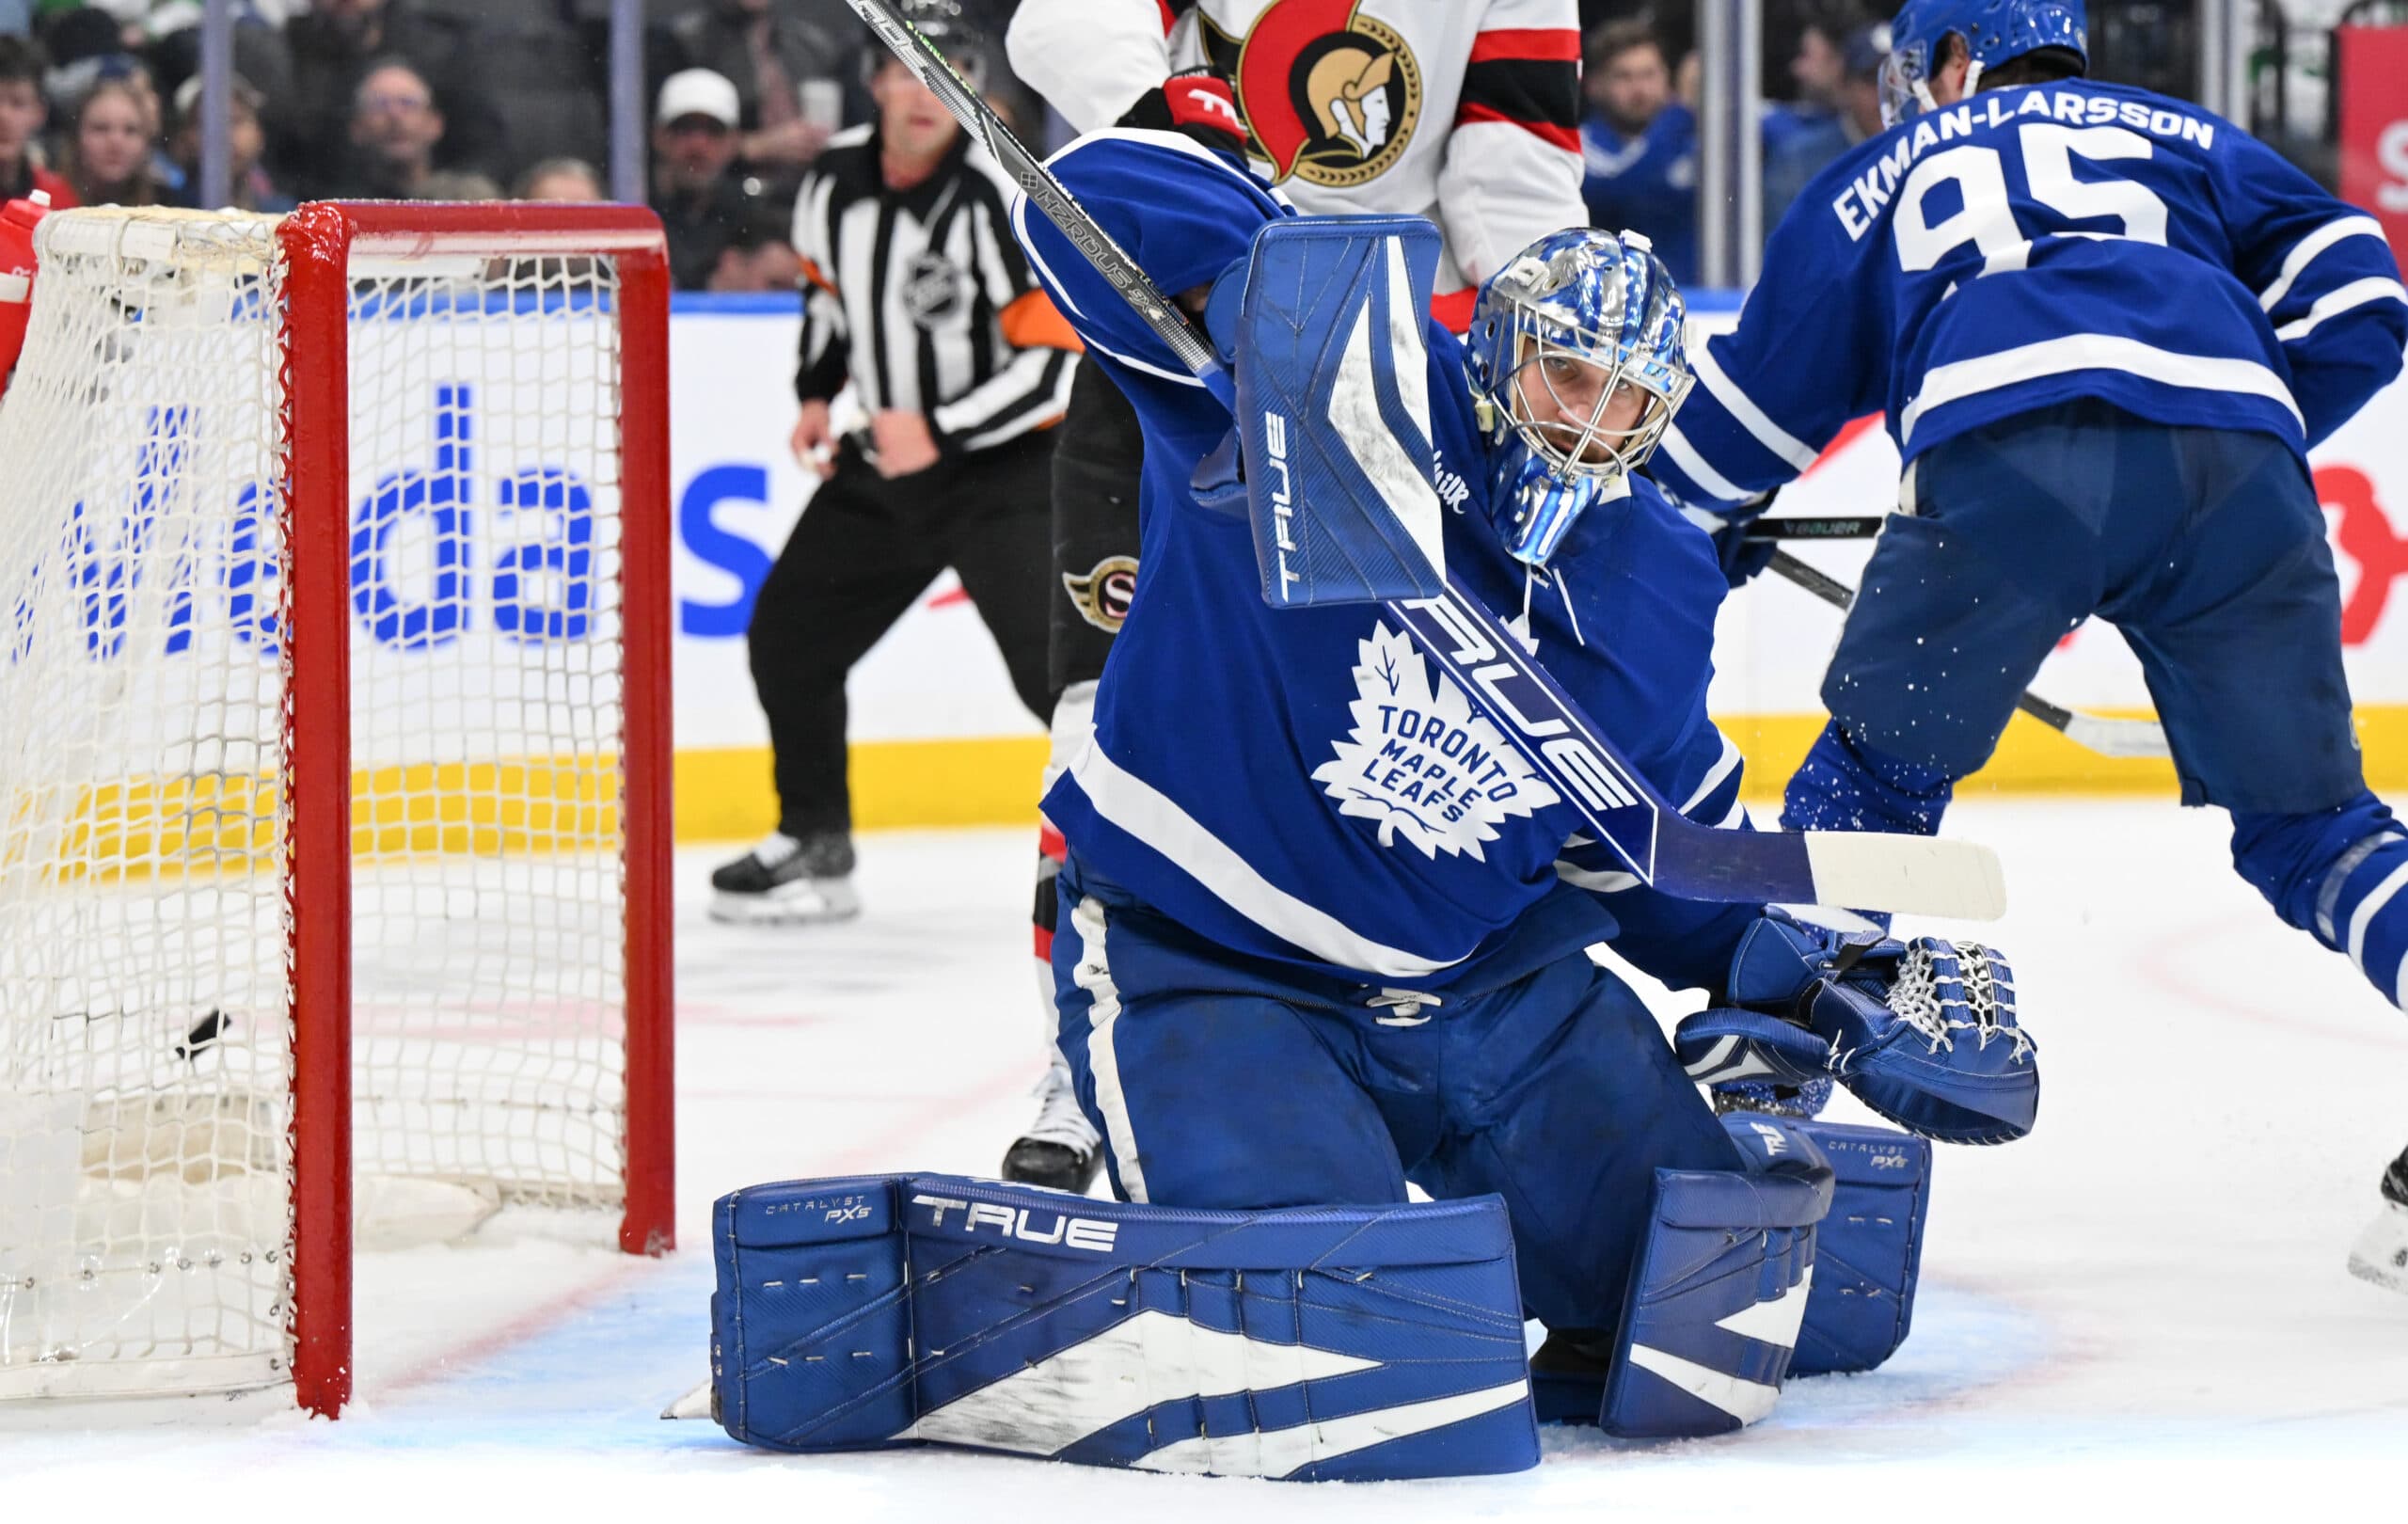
(794, 64)
(703, 206)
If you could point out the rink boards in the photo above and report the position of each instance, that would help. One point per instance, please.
(938, 738)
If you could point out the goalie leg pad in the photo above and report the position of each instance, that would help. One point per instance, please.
(1867, 1251)
(1311, 1343)
(1722, 1289)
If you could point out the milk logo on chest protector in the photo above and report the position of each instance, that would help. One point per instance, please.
(1419, 762)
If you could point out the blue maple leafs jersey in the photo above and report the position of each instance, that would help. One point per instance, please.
(1302, 785)
(2035, 245)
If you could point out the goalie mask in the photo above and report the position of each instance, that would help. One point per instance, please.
(1993, 31)
(1578, 361)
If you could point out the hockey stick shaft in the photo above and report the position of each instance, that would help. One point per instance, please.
(1834, 527)
(959, 97)
(2107, 737)
(1656, 842)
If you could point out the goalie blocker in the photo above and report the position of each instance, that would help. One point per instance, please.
(1341, 1343)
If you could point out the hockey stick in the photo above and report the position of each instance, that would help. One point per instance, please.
(1839, 527)
(2104, 735)
(1661, 846)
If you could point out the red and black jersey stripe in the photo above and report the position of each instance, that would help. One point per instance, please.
(1528, 77)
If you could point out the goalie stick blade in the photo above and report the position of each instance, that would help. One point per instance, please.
(1836, 870)
(2117, 737)
(1960, 879)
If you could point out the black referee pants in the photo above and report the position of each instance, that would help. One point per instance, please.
(862, 552)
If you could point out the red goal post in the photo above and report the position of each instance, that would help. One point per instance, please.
(440, 431)
(321, 243)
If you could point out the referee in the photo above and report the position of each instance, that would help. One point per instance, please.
(917, 296)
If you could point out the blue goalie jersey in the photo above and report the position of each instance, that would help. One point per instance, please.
(1303, 785)
(2033, 244)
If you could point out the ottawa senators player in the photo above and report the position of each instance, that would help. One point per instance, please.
(1462, 111)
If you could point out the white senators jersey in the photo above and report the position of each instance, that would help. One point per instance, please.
(1462, 111)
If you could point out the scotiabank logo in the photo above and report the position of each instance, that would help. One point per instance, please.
(438, 548)
(2363, 533)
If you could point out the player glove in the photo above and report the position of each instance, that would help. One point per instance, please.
(1924, 1032)
(1197, 103)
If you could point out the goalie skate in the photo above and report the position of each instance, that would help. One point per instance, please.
(1061, 1149)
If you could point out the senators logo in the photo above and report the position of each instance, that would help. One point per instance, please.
(1331, 96)
(1101, 596)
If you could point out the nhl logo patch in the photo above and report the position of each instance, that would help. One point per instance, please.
(932, 290)
(1101, 594)
(1421, 763)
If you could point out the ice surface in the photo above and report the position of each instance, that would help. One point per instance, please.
(2142, 1307)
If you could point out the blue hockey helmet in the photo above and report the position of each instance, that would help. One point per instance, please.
(1565, 337)
(1994, 31)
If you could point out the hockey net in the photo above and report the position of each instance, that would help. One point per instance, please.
(332, 806)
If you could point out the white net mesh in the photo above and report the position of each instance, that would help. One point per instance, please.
(145, 994)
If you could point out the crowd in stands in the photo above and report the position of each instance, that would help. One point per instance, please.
(1638, 137)
(478, 99)
(442, 99)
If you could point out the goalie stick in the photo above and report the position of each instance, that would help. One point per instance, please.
(1626, 813)
(2097, 733)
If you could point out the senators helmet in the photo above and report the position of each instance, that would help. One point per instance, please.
(1558, 332)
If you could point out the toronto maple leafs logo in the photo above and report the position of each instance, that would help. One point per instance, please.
(1419, 762)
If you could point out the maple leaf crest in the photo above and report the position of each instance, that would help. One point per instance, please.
(1420, 762)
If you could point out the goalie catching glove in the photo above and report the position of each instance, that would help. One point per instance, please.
(1924, 1032)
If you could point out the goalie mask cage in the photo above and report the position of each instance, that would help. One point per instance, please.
(334, 811)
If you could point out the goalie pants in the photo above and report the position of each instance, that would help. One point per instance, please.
(864, 551)
(2206, 548)
(1223, 1081)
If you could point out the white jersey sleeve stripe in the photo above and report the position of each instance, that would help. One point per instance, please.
(2340, 299)
(1675, 447)
(1178, 142)
(1153, 817)
(2363, 917)
(2307, 249)
(1593, 879)
(1743, 407)
(1061, 294)
(1723, 767)
(1037, 260)
(1961, 380)
(1093, 973)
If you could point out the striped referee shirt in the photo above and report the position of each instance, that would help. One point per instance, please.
(921, 299)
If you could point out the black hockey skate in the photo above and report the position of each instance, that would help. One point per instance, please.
(1060, 1149)
(1568, 1375)
(2382, 1252)
(788, 880)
